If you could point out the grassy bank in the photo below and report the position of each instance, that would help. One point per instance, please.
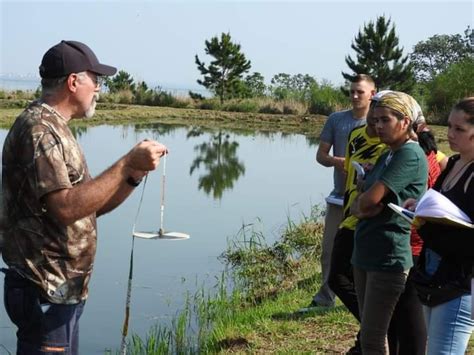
(259, 313)
(121, 114)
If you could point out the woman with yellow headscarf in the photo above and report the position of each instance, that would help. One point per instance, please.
(382, 254)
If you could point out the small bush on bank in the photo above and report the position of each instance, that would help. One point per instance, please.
(261, 270)
(119, 97)
(208, 104)
(9, 103)
(245, 105)
(327, 99)
(166, 99)
(270, 109)
(147, 98)
(17, 94)
(255, 105)
(293, 107)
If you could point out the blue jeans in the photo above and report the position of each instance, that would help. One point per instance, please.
(449, 326)
(43, 327)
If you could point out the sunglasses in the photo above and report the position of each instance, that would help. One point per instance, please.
(98, 80)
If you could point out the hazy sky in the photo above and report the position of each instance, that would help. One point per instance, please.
(156, 41)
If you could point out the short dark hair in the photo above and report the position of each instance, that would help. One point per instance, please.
(50, 86)
(466, 105)
(363, 77)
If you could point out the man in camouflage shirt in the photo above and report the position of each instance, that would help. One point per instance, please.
(51, 202)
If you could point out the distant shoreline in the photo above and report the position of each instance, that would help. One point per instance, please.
(28, 83)
(24, 84)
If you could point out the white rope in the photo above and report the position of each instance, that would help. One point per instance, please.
(162, 207)
(123, 345)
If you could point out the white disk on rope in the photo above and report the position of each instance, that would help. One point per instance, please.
(160, 234)
(163, 236)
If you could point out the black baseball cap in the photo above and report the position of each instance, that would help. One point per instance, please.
(69, 57)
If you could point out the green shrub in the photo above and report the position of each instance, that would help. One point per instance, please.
(209, 104)
(246, 105)
(119, 97)
(261, 270)
(327, 99)
(449, 87)
(13, 103)
(27, 95)
(293, 107)
(271, 108)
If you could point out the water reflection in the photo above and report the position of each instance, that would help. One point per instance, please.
(312, 141)
(218, 158)
(157, 129)
(78, 130)
(280, 182)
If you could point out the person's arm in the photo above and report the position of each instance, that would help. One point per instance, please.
(369, 203)
(106, 191)
(324, 158)
(122, 193)
(442, 160)
(443, 163)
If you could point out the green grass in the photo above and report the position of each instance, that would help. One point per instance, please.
(275, 326)
(257, 317)
(260, 314)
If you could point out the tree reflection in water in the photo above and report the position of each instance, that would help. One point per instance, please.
(218, 158)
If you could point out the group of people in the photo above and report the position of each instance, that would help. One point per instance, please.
(386, 273)
(409, 288)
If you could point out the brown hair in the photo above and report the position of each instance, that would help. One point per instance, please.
(363, 77)
(466, 105)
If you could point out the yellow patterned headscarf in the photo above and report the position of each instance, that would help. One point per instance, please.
(400, 102)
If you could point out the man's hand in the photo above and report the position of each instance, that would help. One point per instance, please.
(145, 156)
(338, 163)
(357, 211)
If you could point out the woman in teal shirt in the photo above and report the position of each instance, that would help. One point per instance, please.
(382, 254)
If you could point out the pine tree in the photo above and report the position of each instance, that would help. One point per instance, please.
(378, 54)
(121, 81)
(223, 74)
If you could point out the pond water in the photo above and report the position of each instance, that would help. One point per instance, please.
(215, 182)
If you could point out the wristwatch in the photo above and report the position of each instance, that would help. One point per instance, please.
(132, 182)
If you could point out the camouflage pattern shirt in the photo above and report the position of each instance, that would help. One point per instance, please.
(41, 155)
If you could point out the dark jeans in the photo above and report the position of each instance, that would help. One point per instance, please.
(341, 277)
(407, 331)
(43, 327)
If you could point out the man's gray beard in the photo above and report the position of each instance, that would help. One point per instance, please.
(91, 110)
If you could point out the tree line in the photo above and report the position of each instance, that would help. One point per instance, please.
(438, 72)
